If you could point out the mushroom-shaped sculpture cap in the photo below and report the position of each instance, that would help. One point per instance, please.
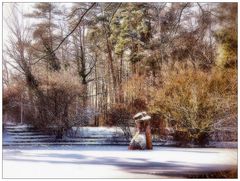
(141, 116)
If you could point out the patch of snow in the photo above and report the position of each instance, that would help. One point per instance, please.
(101, 131)
(17, 126)
(219, 144)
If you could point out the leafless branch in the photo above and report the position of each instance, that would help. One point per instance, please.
(80, 20)
(115, 12)
(91, 68)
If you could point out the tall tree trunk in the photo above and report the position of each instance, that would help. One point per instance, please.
(113, 75)
(81, 65)
(85, 94)
(120, 90)
(96, 92)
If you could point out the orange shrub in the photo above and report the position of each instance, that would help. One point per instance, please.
(196, 99)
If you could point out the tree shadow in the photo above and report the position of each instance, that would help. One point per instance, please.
(190, 150)
(131, 165)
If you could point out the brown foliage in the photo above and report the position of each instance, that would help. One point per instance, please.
(195, 99)
(13, 95)
(135, 88)
(55, 111)
(137, 105)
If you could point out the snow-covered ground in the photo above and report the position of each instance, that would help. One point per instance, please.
(113, 162)
(104, 131)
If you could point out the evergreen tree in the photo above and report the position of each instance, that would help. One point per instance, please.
(226, 36)
(45, 31)
(131, 29)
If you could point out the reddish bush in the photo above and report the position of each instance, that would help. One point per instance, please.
(120, 116)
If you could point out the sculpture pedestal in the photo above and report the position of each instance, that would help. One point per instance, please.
(143, 137)
(148, 137)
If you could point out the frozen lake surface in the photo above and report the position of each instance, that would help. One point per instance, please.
(114, 162)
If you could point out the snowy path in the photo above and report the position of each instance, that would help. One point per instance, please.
(113, 162)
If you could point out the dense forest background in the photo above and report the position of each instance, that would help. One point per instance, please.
(78, 64)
